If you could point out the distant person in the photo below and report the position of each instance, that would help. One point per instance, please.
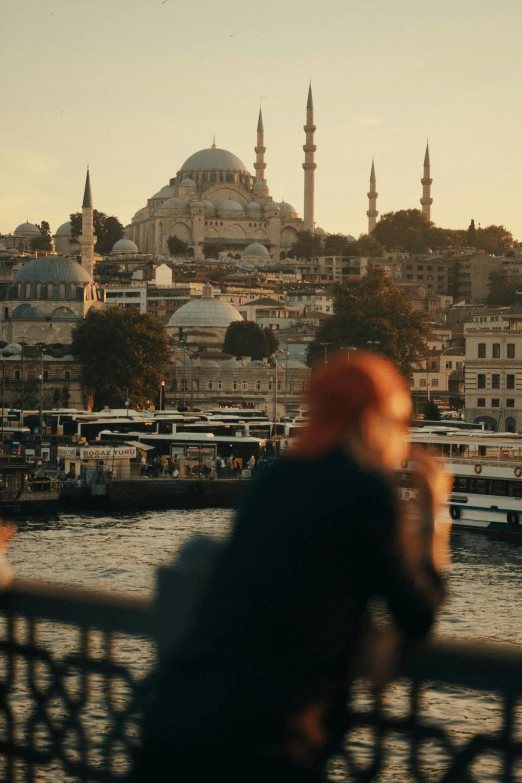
(252, 462)
(256, 691)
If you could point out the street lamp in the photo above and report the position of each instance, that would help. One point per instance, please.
(162, 385)
(41, 377)
(325, 345)
(3, 401)
(285, 354)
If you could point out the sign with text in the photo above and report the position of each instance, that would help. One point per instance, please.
(107, 452)
(66, 452)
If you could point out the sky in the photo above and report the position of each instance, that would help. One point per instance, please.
(133, 87)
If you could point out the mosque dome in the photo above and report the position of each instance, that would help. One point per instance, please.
(260, 187)
(125, 246)
(52, 269)
(287, 208)
(228, 205)
(167, 191)
(65, 230)
(320, 231)
(140, 212)
(209, 206)
(213, 159)
(187, 183)
(27, 229)
(253, 206)
(206, 311)
(350, 238)
(255, 249)
(174, 203)
(12, 349)
(25, 311)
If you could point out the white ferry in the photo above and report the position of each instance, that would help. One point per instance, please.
(487, 466)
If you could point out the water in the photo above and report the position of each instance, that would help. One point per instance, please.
(121, 553)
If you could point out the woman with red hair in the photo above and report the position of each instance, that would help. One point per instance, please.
(257, 691)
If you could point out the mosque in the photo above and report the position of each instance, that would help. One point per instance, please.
(214, 199)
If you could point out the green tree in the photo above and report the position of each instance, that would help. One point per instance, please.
(375, 310)
(44, 241)
(308, 245)
(336, 245)
(65, 396)
(246, 338)
(177, 247)
(495, 240)
(404, 231)
(107, 228)
(211, 249)
(500, 292)
(121, 349)
(366, 245)
(431, 411)
(56, 398)
(471, 237)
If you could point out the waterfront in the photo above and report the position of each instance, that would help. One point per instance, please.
(121, 553)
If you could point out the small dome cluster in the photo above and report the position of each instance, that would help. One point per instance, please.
(255, 249)
(207, 311)
(125, 246)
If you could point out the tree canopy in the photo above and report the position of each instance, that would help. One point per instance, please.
(176, 246)
(501, 292)
(107, 228)
(308, 245)
(495, 240)
(373, 310)
(44, 241)
(246, 338)
(120, 349)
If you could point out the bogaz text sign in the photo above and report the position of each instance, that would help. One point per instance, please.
(107, 452)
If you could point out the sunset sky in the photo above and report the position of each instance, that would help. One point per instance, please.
(133, 87)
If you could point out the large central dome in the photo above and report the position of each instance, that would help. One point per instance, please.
(213, 159)
(52, 269)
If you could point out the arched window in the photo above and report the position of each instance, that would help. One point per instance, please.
(38, 290)
(62, 291)
(210, 385)
(244, 385)
(28, 290)
(258, 386)
(220, 385)
(269, 385)
(73, 291)
(17, 375)
(50, 291)
(19, 290)
(234, 385)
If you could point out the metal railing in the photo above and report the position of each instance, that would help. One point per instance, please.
(73, 677)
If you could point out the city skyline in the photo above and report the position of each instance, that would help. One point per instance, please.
(107, 90)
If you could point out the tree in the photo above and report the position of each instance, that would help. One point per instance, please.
(56, 398)
(431, 411)
(495, 240)
(211, 249)
(404, 231)
(108, 230)
(308, 245)
(246, 338)
(65, 396)
(336, 245)
(501, 292)
(366, 245)
(472, 234)
(44, 241)
(375, 310)
(121, 349)
(177, 247)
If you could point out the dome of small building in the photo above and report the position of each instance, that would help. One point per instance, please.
(228, 205)
(209, 206)
(255, 249)
(52, 269)
(350, 238)
(140, 212)
(208, 363)
(260, 187)
(206, 311)
(213, 159)
(284, 206)
(174, 203)
(12, 349)
(187, 183)
(25, 311)
(253, 206)
(65, 230)
(125, 246)
(320, 230)
(27, 229)
(64, 314)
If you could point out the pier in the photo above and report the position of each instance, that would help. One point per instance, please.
(74, 669)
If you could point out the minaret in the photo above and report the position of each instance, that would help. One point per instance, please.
(372, 201)
(309, 165)
(87, 239)
(426, 181)
(260, 164)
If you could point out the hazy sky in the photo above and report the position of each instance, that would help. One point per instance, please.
(133, 87)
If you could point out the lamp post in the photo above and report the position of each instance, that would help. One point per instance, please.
(285, 354)
(22, 400)
(41, 390)
(325, 345)
(162, 386)
(3, 401)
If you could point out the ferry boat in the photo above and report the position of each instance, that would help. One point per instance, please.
(487, 470)
(24, 493)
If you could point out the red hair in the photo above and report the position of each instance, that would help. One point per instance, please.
(339, 393)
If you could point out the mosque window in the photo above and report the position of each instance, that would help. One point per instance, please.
(50, 291)
(210, 385)
(269, 385)
(221, 223)
(244, 385)
(234, 386)
(19, 290)
(28, 290)
(220, 385)
(46, 375)
(73, 291)
(17, 375)
(38, 290)
(258, 386)
(62, 291)
(67, 375)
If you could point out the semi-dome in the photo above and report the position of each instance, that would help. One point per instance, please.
(24, 312)
(253, 206)
(209, 206)
(213, 159)
(284, 206)
(167, 191)
(255, 249)
(12, 349)
(229, 205)
(187, 183)
(140, 212)
(65, 230)
(52, 269)
(206, 311)
(27, 229)
(174, 203)
(125, 246)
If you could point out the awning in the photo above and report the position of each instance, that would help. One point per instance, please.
(141, 446)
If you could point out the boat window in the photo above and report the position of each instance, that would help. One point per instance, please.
(478, 486)
(515, 489)
(499, 488)
(460, 484)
